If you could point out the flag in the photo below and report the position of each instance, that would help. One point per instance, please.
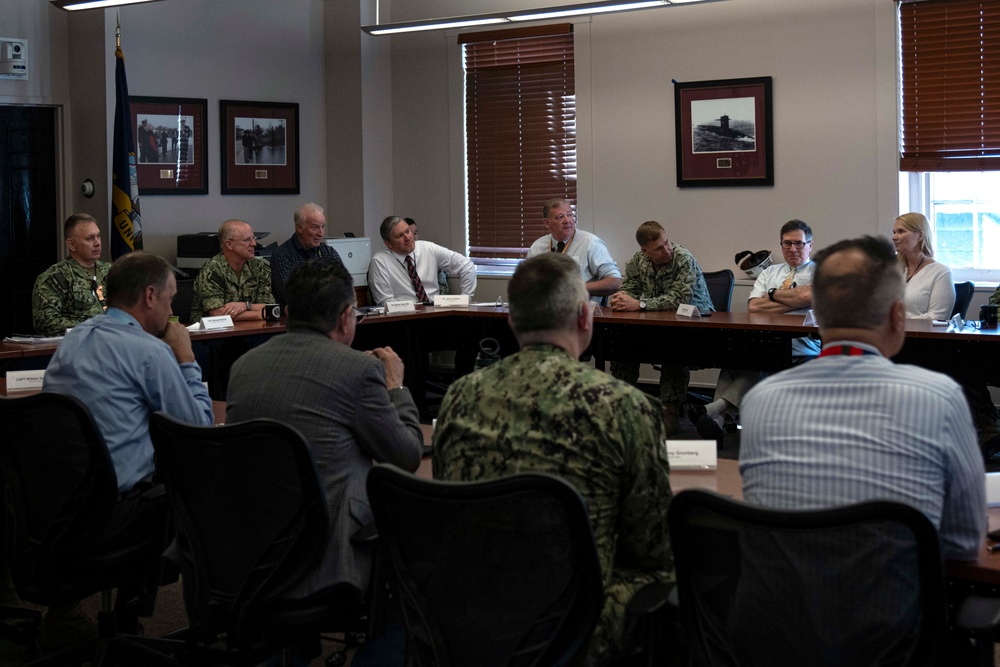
(127, 233)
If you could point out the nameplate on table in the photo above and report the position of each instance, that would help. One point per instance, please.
(216, 322)
(687, 310)
(992, 482)
(400, 306)
(24, 380)
(692, 454)
(453, 300)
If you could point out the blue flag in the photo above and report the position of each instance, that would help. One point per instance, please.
(127, 233)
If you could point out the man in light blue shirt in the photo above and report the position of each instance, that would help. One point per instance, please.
(124, 365)
(130, 362)
(853, 426)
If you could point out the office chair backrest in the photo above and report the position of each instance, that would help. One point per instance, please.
(720, 288)
(503, 572)
(184, 300)
(249, 514)
(963, 297)
(855, 585)
(59, 486)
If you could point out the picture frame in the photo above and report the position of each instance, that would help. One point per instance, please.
(171, 147)
(724, 133)
(260, 147)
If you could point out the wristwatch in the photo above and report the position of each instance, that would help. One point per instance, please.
(249, 305)
(642, 304)
(770, 293)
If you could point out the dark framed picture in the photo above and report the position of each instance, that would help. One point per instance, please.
(724, 132)
(260, 148)
(171, 147)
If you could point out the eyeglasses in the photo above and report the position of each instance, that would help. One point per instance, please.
(246, 241)
(798, 245)
(358, 315)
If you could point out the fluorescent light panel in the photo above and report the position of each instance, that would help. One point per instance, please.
(586, 11)
(443, 24)
(74, 5)
(564, 11)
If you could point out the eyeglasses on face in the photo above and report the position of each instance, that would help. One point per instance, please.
(358, 315)
(247, 241)
(798, 245)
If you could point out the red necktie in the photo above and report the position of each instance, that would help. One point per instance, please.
(418, 286)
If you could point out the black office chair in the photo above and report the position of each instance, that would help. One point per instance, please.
(59, 491)
(720, 288)
(963, 297)
(184, 299)
(502, 572)
(251, 521)
(855, 585)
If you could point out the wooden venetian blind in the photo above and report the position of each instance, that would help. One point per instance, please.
(950, 60)
(520, 107)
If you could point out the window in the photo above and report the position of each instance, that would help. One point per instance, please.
(950, 127)
(520, 135)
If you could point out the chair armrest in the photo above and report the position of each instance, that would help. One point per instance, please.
(978, 613)
(366, 534)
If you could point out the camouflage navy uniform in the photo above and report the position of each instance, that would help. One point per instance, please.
(217, 284)
(542, 411)
(64, 296)
(679, 282)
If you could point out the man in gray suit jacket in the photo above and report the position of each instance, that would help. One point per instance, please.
(351, 406)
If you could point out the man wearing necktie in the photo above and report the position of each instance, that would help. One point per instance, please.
(408, 269)
(597, 267)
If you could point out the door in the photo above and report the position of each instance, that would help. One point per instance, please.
(29, 227)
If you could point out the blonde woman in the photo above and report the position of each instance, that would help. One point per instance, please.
(930, 290)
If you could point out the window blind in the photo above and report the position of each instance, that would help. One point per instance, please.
(520, 107)
(950, 68)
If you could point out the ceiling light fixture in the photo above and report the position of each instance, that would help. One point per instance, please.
(74, 5)
(559, 11)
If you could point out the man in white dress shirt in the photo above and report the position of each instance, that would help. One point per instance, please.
(408, 269)
(597, 267)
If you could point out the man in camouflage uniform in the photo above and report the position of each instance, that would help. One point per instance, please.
(71, 291)
(541, 410)
(661, 276)
(233, 283)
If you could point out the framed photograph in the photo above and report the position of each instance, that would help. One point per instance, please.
(724, 132)
(260, 148)
(171, 148)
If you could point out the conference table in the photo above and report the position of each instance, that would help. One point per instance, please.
(723, 340)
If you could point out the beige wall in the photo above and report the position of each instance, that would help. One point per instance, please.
(834, 89)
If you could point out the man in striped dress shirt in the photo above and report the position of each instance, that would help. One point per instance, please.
(848, 427)
(853, 426)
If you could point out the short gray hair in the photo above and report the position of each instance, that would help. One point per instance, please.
(545, 294)
(863, 297)
(304, 211)
(385, 229)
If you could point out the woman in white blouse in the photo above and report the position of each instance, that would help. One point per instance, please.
(930, 291)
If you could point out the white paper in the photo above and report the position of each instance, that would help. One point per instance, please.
(401, 306)
(992, 488)
(692, 454)
(216, 322)
(453, 300)
(687, 310)
(24, 380)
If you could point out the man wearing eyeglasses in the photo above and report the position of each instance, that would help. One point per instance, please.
(780, 289)
(233, 282)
